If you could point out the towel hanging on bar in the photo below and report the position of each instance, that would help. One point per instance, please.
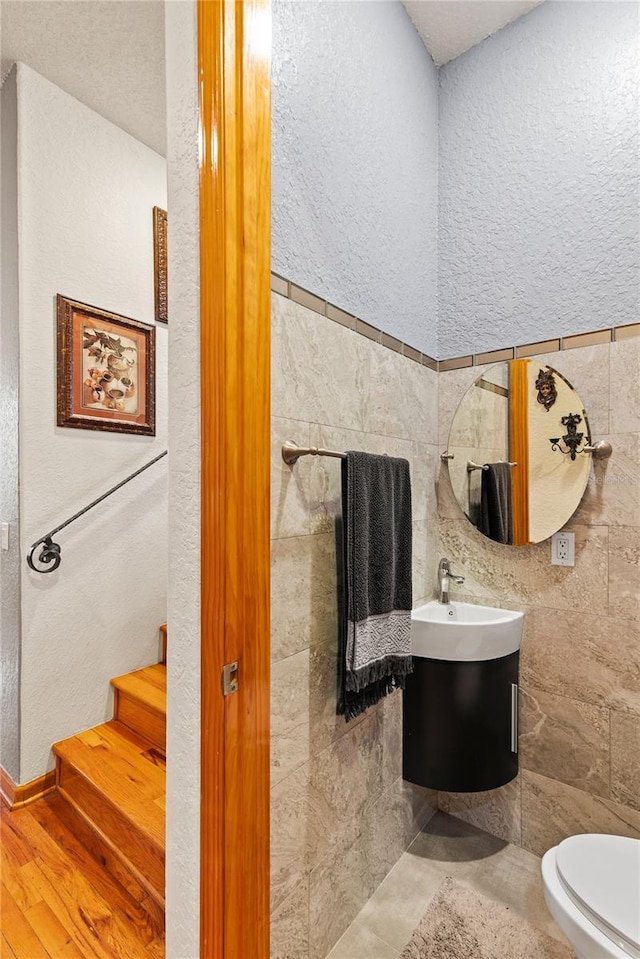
(375, 635)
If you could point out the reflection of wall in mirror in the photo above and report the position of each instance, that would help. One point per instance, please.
(479, 433)
(555, 482)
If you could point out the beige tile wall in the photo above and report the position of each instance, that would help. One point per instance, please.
(580, 661)
(341, 814)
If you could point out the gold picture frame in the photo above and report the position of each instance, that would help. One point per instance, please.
(106, 370)
(161, 293)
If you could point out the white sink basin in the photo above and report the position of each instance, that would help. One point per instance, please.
(463, 632)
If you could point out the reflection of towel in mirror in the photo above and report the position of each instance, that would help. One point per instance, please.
(375, 640)
(496, 514)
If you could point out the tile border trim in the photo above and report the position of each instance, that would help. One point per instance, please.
(311, 301)
(291, 290)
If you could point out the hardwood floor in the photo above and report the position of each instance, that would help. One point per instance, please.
(57, 901)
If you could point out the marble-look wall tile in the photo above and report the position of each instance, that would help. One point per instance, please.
(325, 726)
(348, 775)
(482, 420)
(404, 398)
(448, 507)
(299, 820)
(390, 710)
(289, 751)
(580, 673)
(425, 559)
(290, 925)
(329, 776)
(452, 386)
(565, 739)
(394, 821)
(624, 573)
(526, 575)
(343, 882)
(625, 758)
(290, 513)
(612, 497)
(320, 370)
(303, 593)
(290, 681)
(593, 659)
(587, 369)
(325, 489)
(425, 466)
(497, 811)
(625, 386)
(420, 806)
(339, 887)
(551, 811)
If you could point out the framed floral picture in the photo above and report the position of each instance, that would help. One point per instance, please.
(106, 370)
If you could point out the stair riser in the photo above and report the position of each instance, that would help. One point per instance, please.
(111, 858)
(141, 719)
(133, 845)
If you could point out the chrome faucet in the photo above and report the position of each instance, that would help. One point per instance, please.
(444, 579)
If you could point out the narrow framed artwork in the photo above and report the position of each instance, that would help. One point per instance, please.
(106, 370)
(160, 264)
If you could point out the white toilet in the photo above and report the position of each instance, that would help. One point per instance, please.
(592, 889)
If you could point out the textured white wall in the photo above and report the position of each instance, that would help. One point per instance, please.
(9, 381)
(85, 230)
(539, 183)
(183, 700)
(355, 121)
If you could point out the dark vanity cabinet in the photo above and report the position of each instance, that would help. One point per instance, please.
(460, 723)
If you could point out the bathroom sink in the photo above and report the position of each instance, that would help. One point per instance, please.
(463, 632)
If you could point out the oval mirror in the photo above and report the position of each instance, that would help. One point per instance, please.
(519, 467)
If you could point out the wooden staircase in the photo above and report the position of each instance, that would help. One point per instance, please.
(111, 783)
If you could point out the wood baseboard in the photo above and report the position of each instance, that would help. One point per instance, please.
(14, 796)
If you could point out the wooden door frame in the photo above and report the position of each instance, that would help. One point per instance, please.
(234, 47)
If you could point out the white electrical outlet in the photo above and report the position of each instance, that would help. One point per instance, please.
(4, 535)
(563, 549)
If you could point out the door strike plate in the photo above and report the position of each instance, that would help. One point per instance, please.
(230, 678)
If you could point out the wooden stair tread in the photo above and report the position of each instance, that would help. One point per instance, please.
(127, 770)
(148, 685)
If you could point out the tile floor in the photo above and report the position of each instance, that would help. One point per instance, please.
(446, 847)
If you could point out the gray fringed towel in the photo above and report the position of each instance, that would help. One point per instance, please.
(496, 513)
(375, 634)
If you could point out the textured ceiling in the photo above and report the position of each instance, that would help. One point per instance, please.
(107, 53)
(110, 53)
(449, 27)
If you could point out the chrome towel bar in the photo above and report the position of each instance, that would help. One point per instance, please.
(475, 466)
(291, 452)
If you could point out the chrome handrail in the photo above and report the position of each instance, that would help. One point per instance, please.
(50, 554)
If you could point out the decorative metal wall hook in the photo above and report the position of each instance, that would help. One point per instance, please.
(49, 556)
(572, 439)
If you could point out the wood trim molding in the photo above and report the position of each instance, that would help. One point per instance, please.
(519, 448)
(15, 796)
(234, 48)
